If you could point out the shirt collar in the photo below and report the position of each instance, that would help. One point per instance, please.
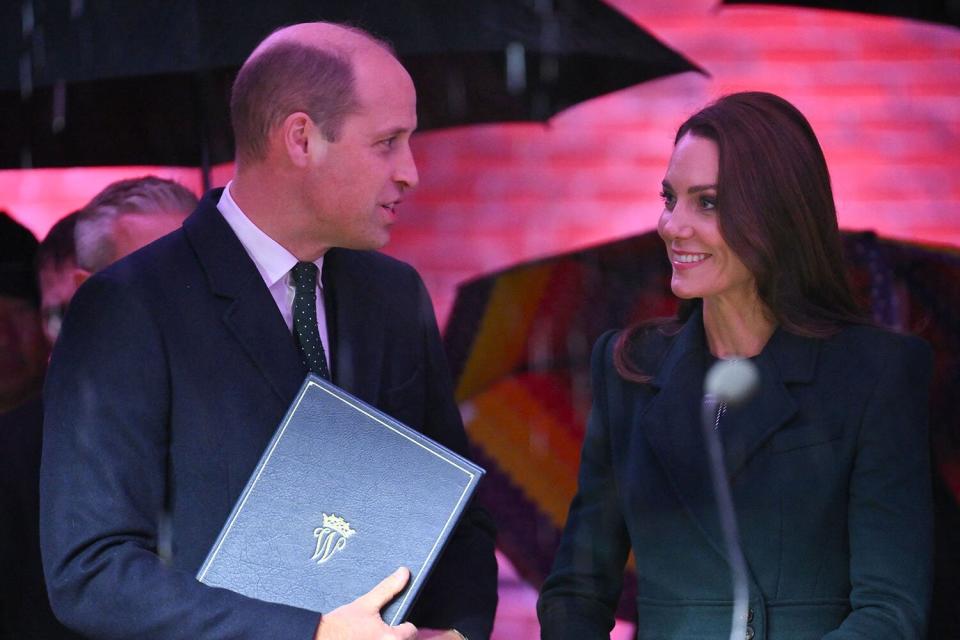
(272, 260)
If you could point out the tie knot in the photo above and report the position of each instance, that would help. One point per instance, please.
(305, 274)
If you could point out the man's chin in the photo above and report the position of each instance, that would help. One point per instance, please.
(381, 237)
(374, 243)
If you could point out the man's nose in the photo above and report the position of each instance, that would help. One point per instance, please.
(406, 170)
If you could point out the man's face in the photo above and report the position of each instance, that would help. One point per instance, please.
(355, 183)
(23, 351)
(58, 283)
(134, 230)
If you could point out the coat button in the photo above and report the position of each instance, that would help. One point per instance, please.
(749, 635)
(749, 615)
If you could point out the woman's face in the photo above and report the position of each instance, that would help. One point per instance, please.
(703, 265)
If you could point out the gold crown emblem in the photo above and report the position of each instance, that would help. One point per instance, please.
(337, 524)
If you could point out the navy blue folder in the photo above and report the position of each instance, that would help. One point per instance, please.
(342, 496)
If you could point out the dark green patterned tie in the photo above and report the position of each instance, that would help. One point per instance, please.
(305, 319)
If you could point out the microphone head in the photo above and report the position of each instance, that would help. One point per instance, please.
(732, 381)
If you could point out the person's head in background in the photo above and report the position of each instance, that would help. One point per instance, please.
(127, 215)
(57, 273)
(23, 350)
(123, 217)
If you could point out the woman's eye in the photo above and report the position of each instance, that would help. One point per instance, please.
(668, 199)
(708, 202)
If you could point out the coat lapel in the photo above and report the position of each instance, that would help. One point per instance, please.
(785, 360)
(671, 423)
(357, 331)
(250, 312)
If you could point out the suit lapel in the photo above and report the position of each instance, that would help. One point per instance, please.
(250, 312)
(356, 329)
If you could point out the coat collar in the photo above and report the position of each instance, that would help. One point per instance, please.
(792, 357)
(355, 321)
(355, 325)
(671, 421)
(249, 311)
(786, 359)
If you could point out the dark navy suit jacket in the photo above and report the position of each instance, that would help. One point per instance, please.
(830, 479)
(172, 372)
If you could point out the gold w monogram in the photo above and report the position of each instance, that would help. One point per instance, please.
(331, 537)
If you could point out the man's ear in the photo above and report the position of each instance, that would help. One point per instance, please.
(302, 141)
(79, 277)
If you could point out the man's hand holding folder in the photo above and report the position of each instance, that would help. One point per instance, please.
(360, 619)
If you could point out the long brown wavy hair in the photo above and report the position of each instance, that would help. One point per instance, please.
(775, 210)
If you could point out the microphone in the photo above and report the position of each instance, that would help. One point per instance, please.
(732, 381)
(728, 382)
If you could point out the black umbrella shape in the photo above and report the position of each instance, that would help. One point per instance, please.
(943, 11)
(107, 82)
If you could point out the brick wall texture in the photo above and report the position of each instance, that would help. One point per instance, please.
(883, 94)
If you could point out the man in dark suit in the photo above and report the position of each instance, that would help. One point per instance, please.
(176, 364)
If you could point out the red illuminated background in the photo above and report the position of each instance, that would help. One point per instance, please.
(883, 95)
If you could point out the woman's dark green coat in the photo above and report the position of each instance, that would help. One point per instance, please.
(829, 468)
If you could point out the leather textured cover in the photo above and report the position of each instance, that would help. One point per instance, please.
(342, 496)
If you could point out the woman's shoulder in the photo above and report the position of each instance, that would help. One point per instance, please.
(643, 346)
(875, 347)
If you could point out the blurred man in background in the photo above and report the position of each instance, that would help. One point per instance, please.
(57, 273)
(24, 609)
(127, 215)
(123, 217)
(23, 351)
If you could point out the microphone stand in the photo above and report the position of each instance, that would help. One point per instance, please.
(728, 520)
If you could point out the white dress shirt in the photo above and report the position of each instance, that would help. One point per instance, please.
(274, 264)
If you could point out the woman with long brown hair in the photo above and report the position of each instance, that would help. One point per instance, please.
(827, 461)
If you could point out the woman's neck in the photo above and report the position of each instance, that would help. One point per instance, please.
(736, 328)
